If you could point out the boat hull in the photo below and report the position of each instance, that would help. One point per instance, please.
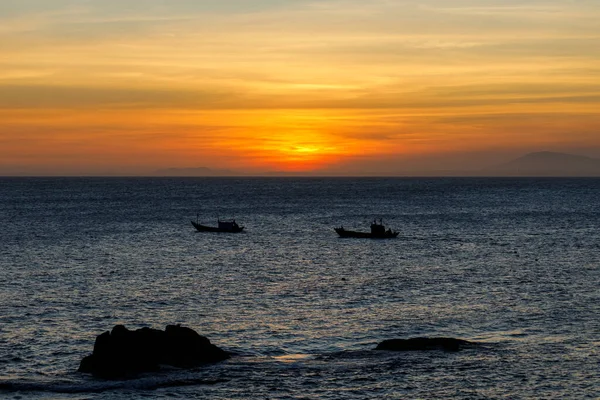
(365, 235)
(204, 228)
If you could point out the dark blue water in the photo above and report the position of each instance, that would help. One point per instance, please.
(511, 263)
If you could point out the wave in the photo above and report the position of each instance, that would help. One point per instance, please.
(145, 383)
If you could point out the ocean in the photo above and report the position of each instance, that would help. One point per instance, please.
(512, 264)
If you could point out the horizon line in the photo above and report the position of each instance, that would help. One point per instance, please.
(298, 176)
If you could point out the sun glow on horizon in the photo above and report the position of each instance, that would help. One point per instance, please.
(305, 149)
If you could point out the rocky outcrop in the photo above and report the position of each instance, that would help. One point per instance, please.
(446, 344)
(123, 353)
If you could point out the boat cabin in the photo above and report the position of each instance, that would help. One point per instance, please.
(228, 225)
(377, 228)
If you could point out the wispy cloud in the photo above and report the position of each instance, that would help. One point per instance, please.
(384, 76)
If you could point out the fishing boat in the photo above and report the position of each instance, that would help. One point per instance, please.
(223, 226)
(378, 231)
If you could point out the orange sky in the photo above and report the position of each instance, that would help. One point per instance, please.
(329, 87)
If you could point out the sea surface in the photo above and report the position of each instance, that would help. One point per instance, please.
(513, 264)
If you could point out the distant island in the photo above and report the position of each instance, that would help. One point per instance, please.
(547, 164)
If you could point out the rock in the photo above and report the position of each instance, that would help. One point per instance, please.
(123, 353)
(422, 343)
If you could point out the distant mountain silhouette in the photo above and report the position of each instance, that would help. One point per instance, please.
(547, 163)
(198, 171)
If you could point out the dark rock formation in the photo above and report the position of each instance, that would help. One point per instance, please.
(123, 353)
(446, 344)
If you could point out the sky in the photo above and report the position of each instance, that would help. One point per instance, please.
(330, 87)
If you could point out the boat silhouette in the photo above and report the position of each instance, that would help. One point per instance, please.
(229, 226)
(378, 231)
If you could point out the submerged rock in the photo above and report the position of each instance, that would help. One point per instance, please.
(423, 343)
(123, 353)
